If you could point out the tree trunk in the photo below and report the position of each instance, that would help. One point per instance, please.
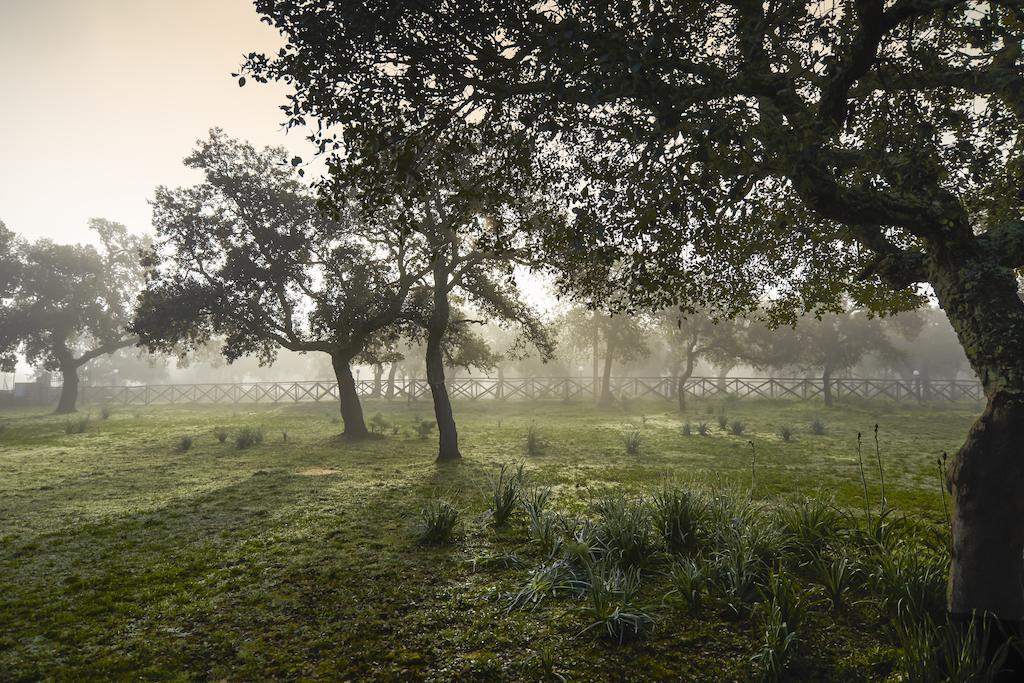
(447, 434)
(68, 392)
(378, 373)
(596, 343)
(826, 385)
(390, 394)
(986, 478)
(351, 408)
(607, 398)
(691, 360)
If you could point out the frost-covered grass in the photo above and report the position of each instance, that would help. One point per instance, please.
(123, 556)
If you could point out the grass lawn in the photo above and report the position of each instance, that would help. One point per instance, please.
(123, 556)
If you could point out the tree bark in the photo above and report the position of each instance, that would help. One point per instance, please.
(684, 376)
(390, 392)
(378, 373)
(447, 434)
(69, 391)
(607, 398)
(348, 397)
(986, 478)
(826, 385)
(596, 343)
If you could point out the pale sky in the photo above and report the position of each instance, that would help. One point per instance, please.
(102, 99)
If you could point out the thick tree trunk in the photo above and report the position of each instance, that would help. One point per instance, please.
(69, 392)
(987, 476)
(826, 386)
(390, 393)
(607, 397)
(595, 341)
(378, 374)
(691, 360)
(348, 397)
(447, 434)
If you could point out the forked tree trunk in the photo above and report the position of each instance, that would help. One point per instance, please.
(390, 392)
(826, 385)
(447, 434)
(691, 360)
(69, 392)
(348, 397)
(987, 476)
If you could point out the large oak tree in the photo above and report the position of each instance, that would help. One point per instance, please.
(63, 305)
(723, 151)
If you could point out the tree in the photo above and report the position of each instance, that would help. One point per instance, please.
(830, 344)
(611, 337)
(738, 149)
(695, 336)
(247, 255)
(67, 304)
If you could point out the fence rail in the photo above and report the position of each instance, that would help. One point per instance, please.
(533, 388)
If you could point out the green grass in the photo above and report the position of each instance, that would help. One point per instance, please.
(121, 556)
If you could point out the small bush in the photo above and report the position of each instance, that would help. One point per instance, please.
(784, 592)
(702, 429)
(506, 489)
(105, 412)
(535, 501)
(817, 426)
(184, 444)
(77, 426)
(737, 427)
(787, 433)
(544, 530)
(535, 443)
(249, 436)
(835, 578)
(284, 435)
(379, 423)
(633, 441)
(687, 429)
(810, 524)
(423, 428)
(439, 522)
(547, 580)
(221, 434)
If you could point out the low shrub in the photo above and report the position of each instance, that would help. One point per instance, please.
(77, 426)
(817, 426)
(184, 444)
(678, 514)
(535, 443)
(505, 492)
(379, 423)
(687, 429)
(787, 433)
(221, 434)
(625, 531)
(702, 429)
(248, 437)
(423, 428)
(737, 427)
(610, 609)
(105, 412)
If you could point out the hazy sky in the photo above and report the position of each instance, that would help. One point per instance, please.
(102, 99)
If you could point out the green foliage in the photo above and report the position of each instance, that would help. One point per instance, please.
(77, 426)
(633, 442)
(379, 424)
(723, 422)
(624, 530)
(505, 492)
(787, 433)
(736, 427)
(248, 437)
(687, 429)
(702, 429)
(535, 443)
(942, 651)
(835, 577)
(547, 580)
(679, 514)
(221, 434)
(439, 523)
(809, 524)
(689, 583)
(105, 412)
(609, 608)
(778, 643)
(184, 443)
(424, 428)
(817, 426)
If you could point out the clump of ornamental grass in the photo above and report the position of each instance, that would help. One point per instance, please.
(787, 433)
(723, 422)
(689, 583)
(105, 412)
(77, 426)
(505, 492)
(687, 429)
(678, 514)
(702, 429)
(737, 427)
(248, 437)
(633, 442)
(625, 531)
(184, 443)
(221, 434)
(610, 608)
(535, 443)
(817, 426)
(379, 423)
(439, 523)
